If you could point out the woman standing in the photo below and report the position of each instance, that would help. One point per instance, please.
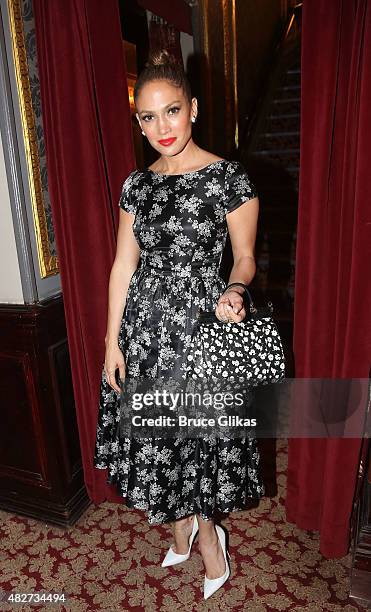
(174, 220)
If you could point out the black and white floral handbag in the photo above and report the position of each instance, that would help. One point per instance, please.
(249, 352)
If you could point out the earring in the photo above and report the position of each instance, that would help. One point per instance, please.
(143, 133)
(193, 119)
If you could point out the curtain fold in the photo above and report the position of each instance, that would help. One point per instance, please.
(332, 322)
(89, 148)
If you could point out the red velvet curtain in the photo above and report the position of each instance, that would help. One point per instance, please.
(332, 323)
(89, 149)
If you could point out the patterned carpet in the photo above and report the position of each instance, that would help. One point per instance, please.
(110, 560)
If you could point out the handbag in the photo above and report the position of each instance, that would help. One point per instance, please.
(249, 352)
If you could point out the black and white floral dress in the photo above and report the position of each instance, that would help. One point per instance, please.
(180, 226)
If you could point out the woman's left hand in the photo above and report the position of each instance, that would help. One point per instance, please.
(230, 307)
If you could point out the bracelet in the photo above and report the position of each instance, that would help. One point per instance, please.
(234, 284)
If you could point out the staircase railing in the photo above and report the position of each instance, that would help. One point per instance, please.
(256, 117)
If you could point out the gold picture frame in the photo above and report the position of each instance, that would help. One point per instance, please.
(22, 33)
(48, 262)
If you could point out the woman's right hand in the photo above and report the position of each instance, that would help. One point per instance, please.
(114, 359)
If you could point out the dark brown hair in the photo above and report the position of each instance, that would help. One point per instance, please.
(162, 65)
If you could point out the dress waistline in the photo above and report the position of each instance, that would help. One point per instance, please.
(208, 267)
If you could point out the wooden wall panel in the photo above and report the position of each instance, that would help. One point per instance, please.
(40, 461)
(233, 40)
(21, 457)
(258, 25)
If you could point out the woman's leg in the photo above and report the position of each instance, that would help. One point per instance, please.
(182, 530)
(210, 549)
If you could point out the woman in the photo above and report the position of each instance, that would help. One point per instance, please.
(174, 220)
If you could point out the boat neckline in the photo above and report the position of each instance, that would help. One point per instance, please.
(218, 161)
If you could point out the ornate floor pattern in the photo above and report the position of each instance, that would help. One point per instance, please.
(110, 561)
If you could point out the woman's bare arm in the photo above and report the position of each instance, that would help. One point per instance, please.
(124, 266)
(242, 225)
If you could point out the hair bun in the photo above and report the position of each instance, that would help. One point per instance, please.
(161, 58)
(164, 66)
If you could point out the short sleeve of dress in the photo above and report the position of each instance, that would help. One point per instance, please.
(127, 202)
(237, 188)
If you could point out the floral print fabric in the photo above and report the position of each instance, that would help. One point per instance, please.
(180, 226)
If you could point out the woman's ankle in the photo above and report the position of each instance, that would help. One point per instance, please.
(208, 538)
(184, 524)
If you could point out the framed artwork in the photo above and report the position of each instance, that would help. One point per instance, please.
(23, 42)
(25, 61)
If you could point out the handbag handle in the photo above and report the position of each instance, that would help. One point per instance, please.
(251, 303)
(261, 311)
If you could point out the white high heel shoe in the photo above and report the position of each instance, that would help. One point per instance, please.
(211, 585)
(172, 558)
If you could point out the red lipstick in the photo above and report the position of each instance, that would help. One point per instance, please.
(167, 141)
